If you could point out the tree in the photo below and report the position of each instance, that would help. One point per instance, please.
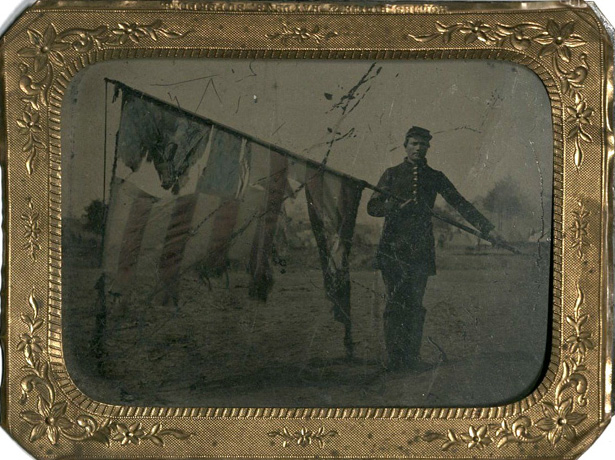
(506, 199)
(95, 214)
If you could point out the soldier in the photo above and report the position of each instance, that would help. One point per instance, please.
(406, 253)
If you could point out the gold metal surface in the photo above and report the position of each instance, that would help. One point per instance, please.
(567, 47)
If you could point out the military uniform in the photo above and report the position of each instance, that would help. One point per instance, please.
(406, 253)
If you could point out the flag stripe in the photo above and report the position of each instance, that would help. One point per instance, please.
(244, 168)
(120, 203)
(133, 236)
(178, 233)
(314, 189)
(201, 229)
(251, 208)
(265, 231)
(313, 192)
(332, 202)
(153, 241)
(221, 237)
(350, 199)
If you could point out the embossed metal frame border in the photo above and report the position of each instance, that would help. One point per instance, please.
(565, 46)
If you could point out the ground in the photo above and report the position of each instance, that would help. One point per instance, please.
(486, 330)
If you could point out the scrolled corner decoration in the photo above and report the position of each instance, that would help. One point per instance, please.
(303, 437)
(553, 41)
(49, 417)
(47, 52)
(301, 34)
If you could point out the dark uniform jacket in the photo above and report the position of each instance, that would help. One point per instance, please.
(407, 236)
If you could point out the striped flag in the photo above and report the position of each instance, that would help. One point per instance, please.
(230, 213)
(145, 239)
(188, 192)
(151, 238)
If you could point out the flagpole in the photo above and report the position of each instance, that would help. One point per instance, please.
(105, 143)
(320, 165)
(449, 221)
(281, 150)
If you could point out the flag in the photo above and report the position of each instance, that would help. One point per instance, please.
(267, 224)
(188, 192)
(158, 145)
(175, 197)
(224, 206)
(333, 202)
(227, 171)
(150, 240)
(145, 239)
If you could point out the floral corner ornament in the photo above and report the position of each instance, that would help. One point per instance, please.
(560, 417)
(555, 42)
(47, 53)
(303, 437)
(50, 417)
(559, 39)
(554, 39)
(558, 421)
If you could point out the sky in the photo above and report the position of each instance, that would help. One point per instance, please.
(490, 120)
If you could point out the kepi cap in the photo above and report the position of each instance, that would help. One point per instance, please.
(420, 133)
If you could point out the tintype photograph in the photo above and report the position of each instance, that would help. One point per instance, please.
(281, 233)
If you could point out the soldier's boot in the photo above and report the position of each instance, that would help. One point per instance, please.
(414, 339)
(393, 338)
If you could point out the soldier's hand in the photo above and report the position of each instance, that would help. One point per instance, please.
(391, 206)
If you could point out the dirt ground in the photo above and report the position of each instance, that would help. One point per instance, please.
(486, 329)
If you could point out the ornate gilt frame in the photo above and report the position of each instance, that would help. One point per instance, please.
(566, 46)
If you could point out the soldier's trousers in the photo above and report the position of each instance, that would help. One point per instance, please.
(404, 315)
